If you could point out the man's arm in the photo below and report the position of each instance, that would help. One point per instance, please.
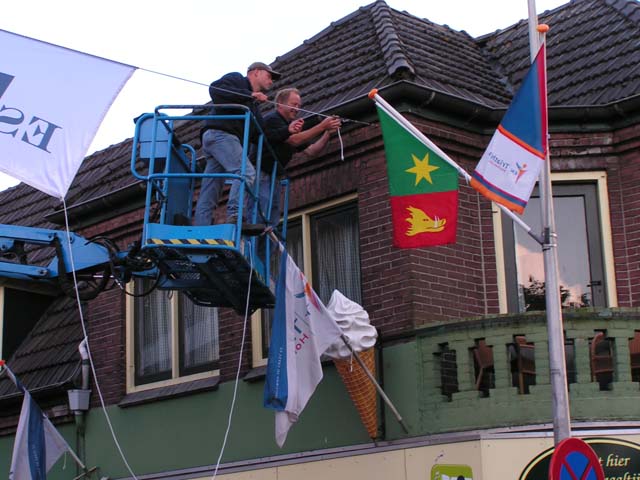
(305, 136)
(318, 146)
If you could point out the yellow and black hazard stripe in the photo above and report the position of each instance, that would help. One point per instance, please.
(190, 241)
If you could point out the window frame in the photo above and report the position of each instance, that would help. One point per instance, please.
(258, 356)
(599, 178)
(10, 337)
(175, 321)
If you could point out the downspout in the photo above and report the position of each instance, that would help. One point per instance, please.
(79, 403)
(86, 367)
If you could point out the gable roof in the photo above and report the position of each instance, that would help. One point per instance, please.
(377, 46)
(593, 60)
(593, 57)
(593, 53)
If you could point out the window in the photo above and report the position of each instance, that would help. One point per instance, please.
(20, 310)
(584, 248)
(169, 338)
(325, 244)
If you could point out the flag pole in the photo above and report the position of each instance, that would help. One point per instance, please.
(397, 116)
(555, 331)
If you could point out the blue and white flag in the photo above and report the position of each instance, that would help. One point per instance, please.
(52, 100)
(511, 164)
(38, 445)
(302, 330)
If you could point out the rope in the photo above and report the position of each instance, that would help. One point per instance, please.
(299, 109)
(247, 96)
(86, 340)
(235, 386)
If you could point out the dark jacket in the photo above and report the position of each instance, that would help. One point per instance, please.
(276, 129)
(233, 88)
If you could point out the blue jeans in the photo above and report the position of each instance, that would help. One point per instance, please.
(263, 198)
(223, 155)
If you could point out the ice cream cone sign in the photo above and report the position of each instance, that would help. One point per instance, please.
(354, 322)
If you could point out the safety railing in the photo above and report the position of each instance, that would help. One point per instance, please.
(215, 265)
(492, 372)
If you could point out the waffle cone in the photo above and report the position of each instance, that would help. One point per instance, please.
(361, 390)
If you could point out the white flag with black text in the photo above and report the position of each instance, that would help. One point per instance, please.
(52, 101)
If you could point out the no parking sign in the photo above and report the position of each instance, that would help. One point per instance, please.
(573, 459)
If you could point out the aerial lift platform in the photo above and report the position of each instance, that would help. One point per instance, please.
(216, 265)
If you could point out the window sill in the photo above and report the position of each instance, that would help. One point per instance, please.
(259, 373)
(170, 391)
(256, 373)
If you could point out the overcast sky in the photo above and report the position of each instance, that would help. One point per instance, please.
(198, 41)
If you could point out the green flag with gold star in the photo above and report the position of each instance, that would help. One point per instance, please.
(423, 189)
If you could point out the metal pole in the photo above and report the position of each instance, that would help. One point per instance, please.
(555, 331)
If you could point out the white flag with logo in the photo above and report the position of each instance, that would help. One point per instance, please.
(52, 101)
(302, 330)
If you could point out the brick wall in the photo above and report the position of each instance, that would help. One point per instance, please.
(107, 341)
(625, 207)
(403, 289)
(406, 288)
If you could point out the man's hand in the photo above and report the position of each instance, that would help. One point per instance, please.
(259, 96)
(331, 123)
(296, 126)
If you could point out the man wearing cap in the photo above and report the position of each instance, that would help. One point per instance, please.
(222, 139)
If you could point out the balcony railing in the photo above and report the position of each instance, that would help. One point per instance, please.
(493, 372)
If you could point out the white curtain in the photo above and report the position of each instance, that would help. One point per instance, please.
(200, 334)
(336, 251)
(152, 332)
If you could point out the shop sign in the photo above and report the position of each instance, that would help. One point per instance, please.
(620, 460)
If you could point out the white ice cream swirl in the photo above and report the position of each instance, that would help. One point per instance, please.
(354, 322)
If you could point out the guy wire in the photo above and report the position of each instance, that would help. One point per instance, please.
(273, 102)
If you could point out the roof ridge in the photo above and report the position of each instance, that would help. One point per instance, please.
(630, 9)
(321, 34)
(398, 64)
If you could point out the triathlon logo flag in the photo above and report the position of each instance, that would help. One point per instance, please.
(52, 101)
(509, 168)
(301, 332)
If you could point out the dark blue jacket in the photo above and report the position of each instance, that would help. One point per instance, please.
(233, 88)
(276, 130)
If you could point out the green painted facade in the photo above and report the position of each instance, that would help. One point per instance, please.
(188, 431)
